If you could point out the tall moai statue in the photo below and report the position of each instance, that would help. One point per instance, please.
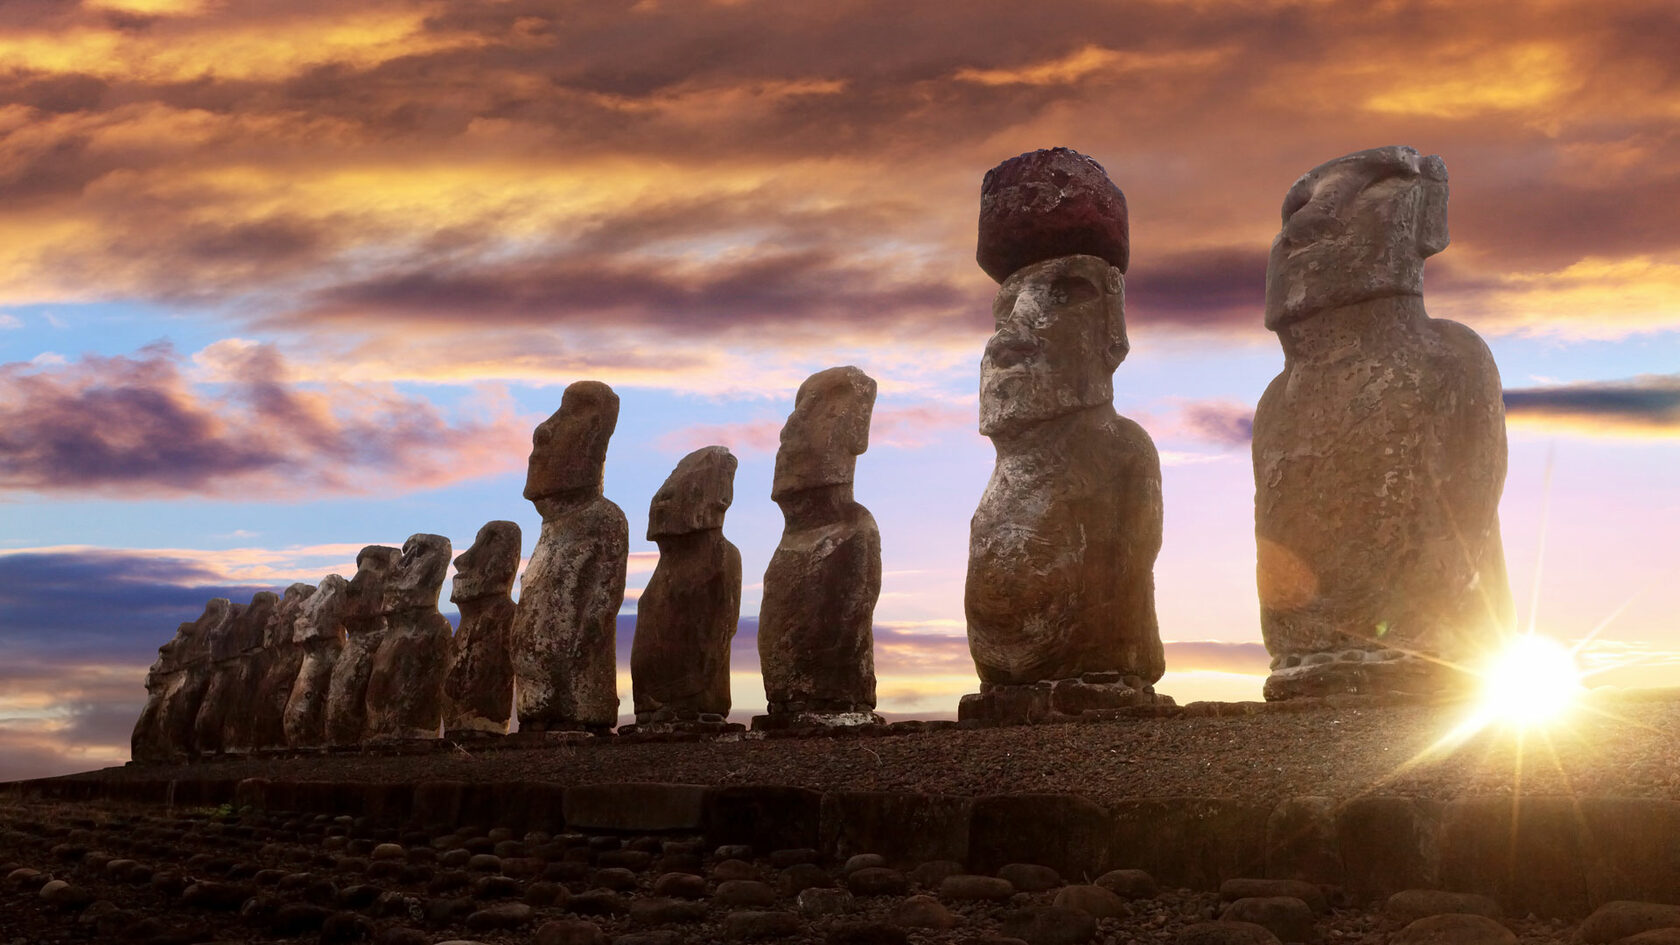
(223, 714)
(565, 629)
(364, 624)
(176, 684)
(687, 615)
(816, 639)
(1379, 452)
(1060, 595)
(405, 688)
(280, 660)
(478, 692)
(319, 630)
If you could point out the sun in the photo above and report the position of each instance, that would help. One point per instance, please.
(1530, 683)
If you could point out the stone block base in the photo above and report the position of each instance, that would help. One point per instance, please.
(682, 727)
(1059, 700)
(786, 721)
(1361, 672)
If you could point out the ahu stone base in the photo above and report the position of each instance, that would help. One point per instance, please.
(1058, 700)
(672, 722)
(1361, 672)
(798, 715)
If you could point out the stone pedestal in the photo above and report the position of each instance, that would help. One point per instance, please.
(787, 716)
(1360, 672)
(1058, 700)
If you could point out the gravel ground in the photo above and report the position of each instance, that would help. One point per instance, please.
(1614, 746)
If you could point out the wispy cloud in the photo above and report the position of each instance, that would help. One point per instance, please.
(1648, 405)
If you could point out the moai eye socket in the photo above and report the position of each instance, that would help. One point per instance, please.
(1071, 290)
(1299, 196)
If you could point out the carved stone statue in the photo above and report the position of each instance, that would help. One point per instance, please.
(686, 617)
(175, 686)
(565, 629)
(405, 689)
(816, 641)
(478, 691)
(224, 714)
(1060, 596)
(280, 660)
(1379, 452)
(364, 624)
(319, 630)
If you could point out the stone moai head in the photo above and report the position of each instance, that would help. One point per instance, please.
(322, 616)
(826, 433)
(245, 634)
(1054, 232)
(193, 648)
(489, 567)
(278, 629)
(366, 594)
(417, 577)
(1355, 229)
(569, 449)
(696, 495)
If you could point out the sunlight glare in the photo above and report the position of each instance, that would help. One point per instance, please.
(1529, 683)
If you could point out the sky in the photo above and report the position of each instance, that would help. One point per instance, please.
(283, 278)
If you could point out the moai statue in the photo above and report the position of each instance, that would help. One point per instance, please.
(1060, 596)
(686, 617)
(565, 631)
(281, 659)
(1379, 452)
(816, 641)
(319, 630)
(364, 624)
(405, 688)
(222, 716)
(478, 692)
(176, 686)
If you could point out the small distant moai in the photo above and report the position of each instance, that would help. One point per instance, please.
(1060, 595)
(478, 691)
(405, 688)
(364, 623)
(687, 615)
(319, 630)
(225, 709)
(281, 658)
(176, 684)
(816, 639)
(565, 628)
(1379, 452)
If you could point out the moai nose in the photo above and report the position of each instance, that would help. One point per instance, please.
(1010, 346)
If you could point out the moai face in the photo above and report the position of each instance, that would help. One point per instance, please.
(417, 577)
(489, 567)
(696, 495)
(1061, 332)
(826, 433)
(1355, 229)
(322, 616)
(192, 644)
(246, 632)
(569, 449)
(366, 594)
(278, 631)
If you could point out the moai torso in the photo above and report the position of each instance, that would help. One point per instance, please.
(224, 715)
(363, 626)
(405, 687)
(1062, 547)
(282, 660)
(565, 628)
(319, 631)
(184, 687)
(1379, 452)
(478, 691)
(687, 615)
(816, 638)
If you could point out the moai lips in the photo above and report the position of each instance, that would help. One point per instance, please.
(363, 625)
(319, 630)
(1379, 451)
(815, 635)
(405, 687)
(1063, 545)
(478, 690)
(565, 627)
(687, 615)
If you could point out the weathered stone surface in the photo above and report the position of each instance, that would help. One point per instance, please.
(364, 624)
(479, 687)
(1226, 933)
(223, 721)
(405, 687)
(1062, 547)
(175, 686)
(1379, 452)
(816, 643)
(279, 661)
(1454, 929)
(319, 630)
(565, 631)
(1287, 917)
(687, 615)
(1410, 904)
(1622, 918)
(1050, 203)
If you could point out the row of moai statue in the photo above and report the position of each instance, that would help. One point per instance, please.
(1379, 459)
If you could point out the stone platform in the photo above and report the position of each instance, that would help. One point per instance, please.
(1360, 672)
(1093, 695)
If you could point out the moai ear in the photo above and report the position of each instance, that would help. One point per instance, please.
(1432, 215)
(1118, 344)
